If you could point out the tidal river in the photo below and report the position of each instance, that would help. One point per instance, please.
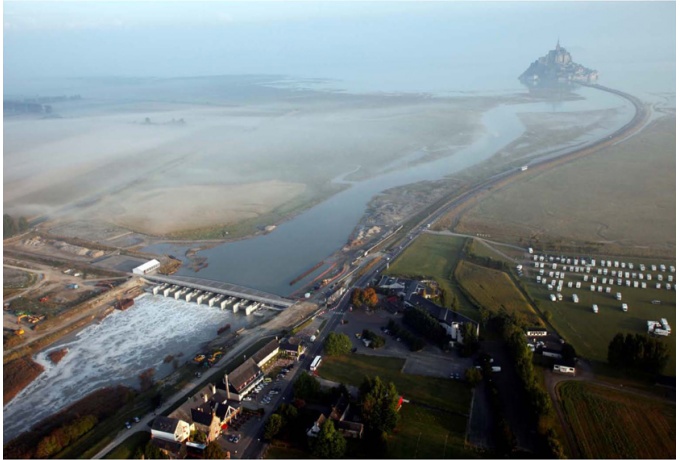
(271, 261)
(116, 350)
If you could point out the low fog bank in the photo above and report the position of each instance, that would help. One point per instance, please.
(125, 144)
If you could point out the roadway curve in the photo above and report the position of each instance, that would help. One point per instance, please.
(456, 206)
(494, 183)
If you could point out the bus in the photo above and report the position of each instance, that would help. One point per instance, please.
(315, 364)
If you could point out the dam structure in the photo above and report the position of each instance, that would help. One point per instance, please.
(216, 293)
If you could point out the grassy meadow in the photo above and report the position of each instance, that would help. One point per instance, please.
(428, 433)
(494, 290)
(434, 257)
(432, 424)
(615, 424)
(446, 394)
(617, 198)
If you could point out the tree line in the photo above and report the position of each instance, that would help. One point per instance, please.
(12, 226)
(421, 322)
(512, 328)
(638, 352)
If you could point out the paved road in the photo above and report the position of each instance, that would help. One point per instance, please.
(459, 202)
(249, 338)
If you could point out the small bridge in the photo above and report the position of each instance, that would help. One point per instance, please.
(222, 288)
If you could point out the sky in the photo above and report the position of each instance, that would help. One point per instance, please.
(322, 39)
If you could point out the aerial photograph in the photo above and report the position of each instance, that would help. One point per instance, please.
(339, 229)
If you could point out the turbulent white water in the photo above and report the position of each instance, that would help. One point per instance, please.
(116, 351)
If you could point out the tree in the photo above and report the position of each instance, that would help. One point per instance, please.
(273, 426)
(366, 297)
(306, 387)
(473, 376)
(329, 443)
(337, 344)
(9, 227)
(370, 297)
(638, 352)
(199, 436)
(455, 303)
(356, 295)
(213, 451)
(568, 353)
(470, 339)
(442, 298)
(146, 379)
(153, 451)
(288, 412)
(23, 224)
(378, 402)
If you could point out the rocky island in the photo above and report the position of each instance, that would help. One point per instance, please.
(557, 67)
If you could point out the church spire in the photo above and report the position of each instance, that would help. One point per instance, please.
(558, 43)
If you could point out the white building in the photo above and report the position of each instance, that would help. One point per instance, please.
(170, 429)
(147, 267)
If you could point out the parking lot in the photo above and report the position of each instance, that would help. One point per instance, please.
(430, 362)
(265, 396)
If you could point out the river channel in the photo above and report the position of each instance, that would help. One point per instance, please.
(269, 262)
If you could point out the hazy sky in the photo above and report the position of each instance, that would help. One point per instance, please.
(327, 39)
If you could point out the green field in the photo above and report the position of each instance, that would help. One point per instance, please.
(591, 333)
(616, 196)
(494, 290)
(612, 424)
(437, 431)
(428, 433)
(445, 394)
(434, 257)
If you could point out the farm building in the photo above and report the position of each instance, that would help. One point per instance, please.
(147, 267)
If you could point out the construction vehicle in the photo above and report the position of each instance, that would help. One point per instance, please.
(199, 358)
(19, 331)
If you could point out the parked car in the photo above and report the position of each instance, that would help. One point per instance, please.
(127, 425)
(136, 419)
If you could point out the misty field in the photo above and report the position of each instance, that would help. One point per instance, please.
(612, 424)
(622, 197)
(226, 153)
(494, 290)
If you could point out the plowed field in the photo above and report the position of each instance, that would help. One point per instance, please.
(613, 424)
